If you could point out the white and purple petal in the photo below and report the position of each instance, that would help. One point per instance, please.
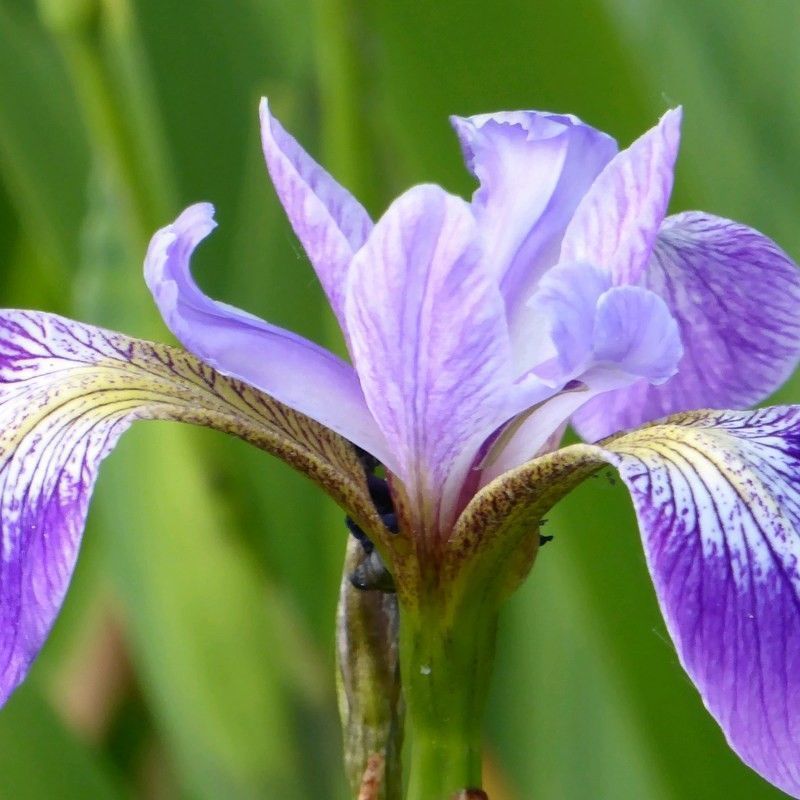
(735, 295)
(329, 222)
(286, 366)
(717, 496)
(430, 341)
(533, 169)
(67, 393)
(616, 223)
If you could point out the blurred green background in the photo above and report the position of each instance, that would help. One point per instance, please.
(194, 656)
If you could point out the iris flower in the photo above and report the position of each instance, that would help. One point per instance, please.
(476, 331)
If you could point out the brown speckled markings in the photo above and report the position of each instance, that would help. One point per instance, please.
(147, 380)
(497, 534)
(67, 393)
(495, 540)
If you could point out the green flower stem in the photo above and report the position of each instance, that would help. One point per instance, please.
(446, 664)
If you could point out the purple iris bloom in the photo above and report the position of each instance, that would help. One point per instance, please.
(476, 332)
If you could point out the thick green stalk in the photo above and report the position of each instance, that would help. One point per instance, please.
(446, 664)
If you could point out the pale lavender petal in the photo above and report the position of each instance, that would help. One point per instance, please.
(602, 338)
(635, 335)
(736, 297)
(616, 223)
(561, 320)
(536, 432)
(429, 339)
(329, 222)
(286, 366)
(717, 496)
(597, 333)
(533, 169)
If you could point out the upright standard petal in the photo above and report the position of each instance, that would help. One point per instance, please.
(430, 341)
(67, 392)
(286, 366)
(533, 169)
(616, 224)
(329, 222)
(735, 295)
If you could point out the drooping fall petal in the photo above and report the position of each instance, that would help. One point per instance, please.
(288, 367)
(735, 295)
(718, 502)
(329, 222)
(67, 392)
(429, 338)
(717, 498)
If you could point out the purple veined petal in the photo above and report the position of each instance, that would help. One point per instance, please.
(616, 224)
(286, 366)
(603, 338)
(430, 342)
(560, 322)
(717, 496)
(329, 222)
(619, 333)
(736, 297)
(67, 393)
(634, 335)
(533, 169)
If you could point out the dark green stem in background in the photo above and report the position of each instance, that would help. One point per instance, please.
(100, 44)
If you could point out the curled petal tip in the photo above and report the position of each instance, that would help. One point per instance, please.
(170, 247)
(292, 369)
(202, 212)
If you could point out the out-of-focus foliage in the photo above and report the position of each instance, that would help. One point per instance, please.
(194, 656)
